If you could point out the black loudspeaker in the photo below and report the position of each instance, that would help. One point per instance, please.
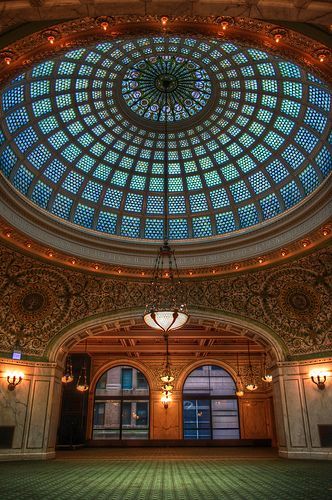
(325, 434)
(6, 436)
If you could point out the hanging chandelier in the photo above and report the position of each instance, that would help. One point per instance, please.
(68, 376)
(239, 384)
(166, 378)
(266, 377)
(82, 382)
(166, 309)
(251, 386)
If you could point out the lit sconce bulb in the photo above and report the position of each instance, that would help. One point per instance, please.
(13, 379)
(73, 261)
(50, 253)
(261, 260)
(319, 377)
(239, 393)
(104, 25)
(164, 20)
(190, 273)
(213, 271)
(251, 387)
(166, 275)
(119, 271)
(321, 57)
(28, 244)
(142, 273)
(283, 253)
(8, 60)
(236, 266)
(8, 234)
(51, 39)
(166, 398)
(305, 243)
(224, 25)
(325, 231)
(267, 378)
(96, 266)
(277, 37)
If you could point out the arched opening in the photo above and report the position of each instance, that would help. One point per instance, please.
(210, 406)
(121, 405)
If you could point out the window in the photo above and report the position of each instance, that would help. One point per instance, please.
(121, 409)
(210, 408)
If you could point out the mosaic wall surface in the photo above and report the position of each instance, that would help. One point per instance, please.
(39, 300)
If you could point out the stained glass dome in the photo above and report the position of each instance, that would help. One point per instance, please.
(83, 136)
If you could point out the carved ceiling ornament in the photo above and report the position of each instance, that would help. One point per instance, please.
(83, 31)
(293, 300)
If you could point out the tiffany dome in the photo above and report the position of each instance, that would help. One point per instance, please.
(83, 137)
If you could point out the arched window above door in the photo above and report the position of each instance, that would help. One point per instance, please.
(210, 407)
(121, 405)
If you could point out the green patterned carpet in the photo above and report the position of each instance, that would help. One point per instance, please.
(173, 476)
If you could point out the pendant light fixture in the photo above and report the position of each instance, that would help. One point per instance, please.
(82, 383)
(251, 386)
(239, 384)
(166, 309)
(266, 377)
(166, 378)
(68, 373)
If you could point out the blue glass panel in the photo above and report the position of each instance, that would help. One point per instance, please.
(291, 194)
(22, 179)
(324, 161)
(240, 191)
(12, 97)
(62, 206)
(201, 227)
(177, 204)
(107, 222)
(134, 202)
(248, 215)
(293, 157)
(130, 227)
(92, 191)
(309, 179)
(8, 160)
(54, 171)
(259, 182)
(84, 215)
(178, 229)
(270, 206)
(113, 198)
(41, 194)
(154, 229)
(306, 139)
(225, 222)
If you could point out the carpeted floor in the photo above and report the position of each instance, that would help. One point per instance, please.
(166, 474)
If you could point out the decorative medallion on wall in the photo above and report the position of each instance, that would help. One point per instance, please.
(33, 303)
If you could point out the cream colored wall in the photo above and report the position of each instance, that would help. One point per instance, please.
(33, 408)
(300, 407)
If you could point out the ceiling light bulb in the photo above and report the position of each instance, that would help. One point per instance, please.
(251, 387)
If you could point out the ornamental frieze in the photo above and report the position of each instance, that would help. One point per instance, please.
(39, 300)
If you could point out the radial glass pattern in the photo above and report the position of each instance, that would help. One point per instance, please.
(76, 143)
(189, 88)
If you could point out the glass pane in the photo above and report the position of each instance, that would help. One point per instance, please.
(106, 426)
(211, 417)
(127, 378)
(197, 420)
(122, 379)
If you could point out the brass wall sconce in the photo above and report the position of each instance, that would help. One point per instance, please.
(13, 379)
(319, 379)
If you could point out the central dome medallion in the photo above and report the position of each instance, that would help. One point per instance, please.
(154, 83)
